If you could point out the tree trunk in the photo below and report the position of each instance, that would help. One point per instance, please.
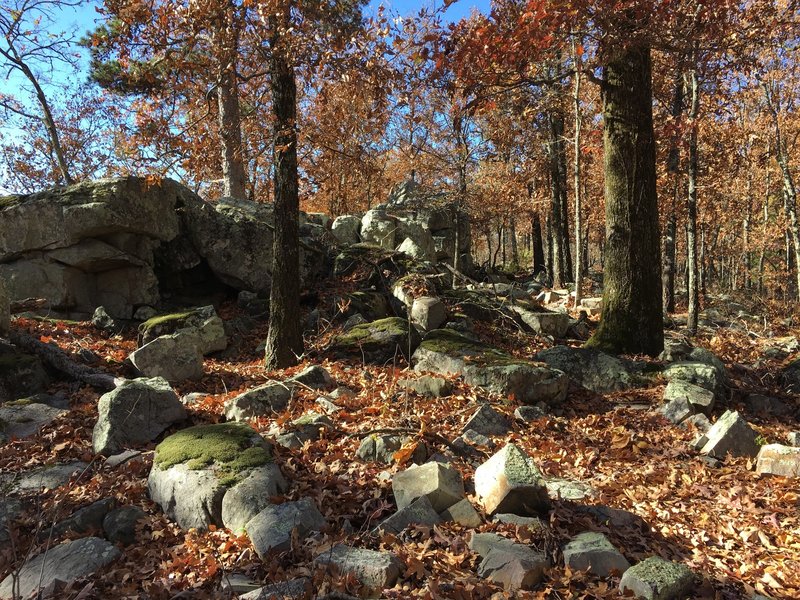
(576, 169)
(284, 339)
(764, 226)
(632, 318)
(558, 183)
(512, 227)
(691, 205)
(671, 228)
(549, 253)
(539, 265)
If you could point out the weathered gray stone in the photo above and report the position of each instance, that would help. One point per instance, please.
(310, 426)
(776, 459)
(554, 324)
(698, 373)
(102, 320)
(515, 567)
(473, 438)
(427, 385)
(529, 414)
(658, 579)
(428, 313)
(293, 589)
(730, 434)
(379, 342)
(65, 562)
(379, 228)
(463, 513)
(136, 412)
(592, 369)
(329, 407)
(260, 401)
(10, 509)
(346, 229)
(314, 376)
(119, 524)
(419, 512)
(483, 543)
(487, 421)
(374, 570)
(532, 523)
(701, 422)
(84, 520)
(250, 496)
(569, 489)
(381, 448)
(592, 550)
(699, 399)
(441, 483)
(271, 529)
(676, 410)
(767, 406)
(48, 477)
(794, 438)
(509, 482)
(174, 357)
(447, 352)
(23, 418)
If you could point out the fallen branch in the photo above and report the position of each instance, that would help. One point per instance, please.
(57, 359)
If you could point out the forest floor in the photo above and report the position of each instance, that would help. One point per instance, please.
(738, 530)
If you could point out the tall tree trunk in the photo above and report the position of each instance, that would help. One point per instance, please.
(746, 254)
(670, 230)
(284, 339)
(691, 205)
(558, 233)
(549, 252)
(764, 226)
(512, 231)
(576, 170)
(632, 318)
(539, 265)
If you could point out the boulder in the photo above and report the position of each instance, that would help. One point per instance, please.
(49, 477)
(427, 385)
(657, 579)
(516, 568)
(175, 357)
(593, 369)
(428, 313)
(204, 321)
(379, 342)
(21, 375)
(487, 421)
(379, 228)
(554, 324)
(529, 414)
(119, 524)
(346, 229)
(701, 374)
(483, 543)
(272, 529)
(776, 459)
(677, 410)
(731, 434)
(84, 520)
(373, 570)
(23, 418)
(66, 563)
(592, 550)
(134, 413)
(419, 512)
(440, 483)
(5, 310)
(698, 399)
(369, 304)
(421, 249)
(261, 401)
(448, 352)
(509, 482)
(195, 468)
(767, 406)
(251, 495)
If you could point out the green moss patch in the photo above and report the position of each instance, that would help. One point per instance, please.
(452, 343)
(176, 318)
(230, 448)
(369, 331)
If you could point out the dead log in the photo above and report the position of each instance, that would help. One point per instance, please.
(55, 358)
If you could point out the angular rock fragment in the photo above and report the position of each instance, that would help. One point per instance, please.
(260, 401)
(427, 385)
(441, 483)
(271, 529)
(509, 482)
(515, 567)
(487, 421)
(592, 550)
(428, 313)
(776, 459)
(658, 579)
(699, 399)
(374, 570)
(174, 357)
(463, 513)
(731, 434)
(419, 512)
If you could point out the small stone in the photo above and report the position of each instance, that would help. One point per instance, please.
(473, 438)
(293, 589)
(488, 421)
(342, 393)
(676, 410)
(699, 421)
(427, 385)
(532, 523)
(776, 459)
(509, 482)
(102, 320)
(419, 512)
(374, 570)
(730, 435)
(260, 401)
(121, 458)
(272, 528)
(441, 483)
(515, 567)
(463, 513)
(315, 376)
(238, 584)
(592, 550)
(482, 543)
(699, 399)
(529, 414)
(428, 313)
(329, 407)
(658, 579)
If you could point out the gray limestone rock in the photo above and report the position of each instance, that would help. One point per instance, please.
(730, 434)
(250, 496)
(378, 342)
(374, 570)
(427, 385)
(509, 482)
(134, 413)
(592, 369)
(428, 313)
(119, 524)
(174, 357)
(515, 567)
(23, 418)
(776, 459)
(463, 513)
(381, 448)
(676, 410)
(314, 376)
(441, 483)
(658, 579)
(260, 401)
(529, 414)
(592, 550)
(346, 229)
(50, 477)
(66, 562)
(487, 421)
(419, 512)
(699, 399)
(271, 529)
(554, 324)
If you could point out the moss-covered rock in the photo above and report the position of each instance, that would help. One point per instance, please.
(379, 341)
(448, 352)
(371, 304)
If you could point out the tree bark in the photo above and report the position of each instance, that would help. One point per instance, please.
(284, 340)
(558, 190)
(671, 228)
(539, 265)
(576, 169)
(691, 206)
(632, 319)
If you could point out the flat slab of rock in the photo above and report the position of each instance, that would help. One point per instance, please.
(419, 512)
(592, 550)
(731, 434)
(314, 376)
(174, 357)
(592, 369)
(440, 483)
(658, 579)
(66, 562)
(21, 419)
(49, 477)
(514, 566)
(376, 571)
(699, 399)
(509, 482)
(272, 528)
(554, 324)
(447, 352)
(136, 412)
(777, 459)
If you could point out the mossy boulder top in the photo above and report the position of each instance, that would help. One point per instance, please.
(448, 352)
(220, 474)
(379, 341)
